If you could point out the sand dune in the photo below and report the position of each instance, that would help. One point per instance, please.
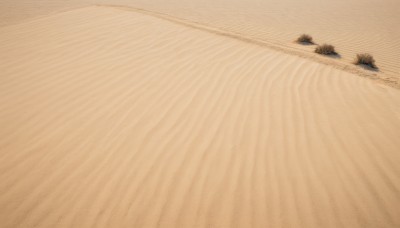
(352, 26)
(17, 11)
(355, 26)
(113, 118)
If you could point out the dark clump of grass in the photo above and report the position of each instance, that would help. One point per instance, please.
(365, 59)
(326, 49)
(305, 39)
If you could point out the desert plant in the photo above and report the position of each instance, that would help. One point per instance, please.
(305, 39)
(325, 49)
(365, 59)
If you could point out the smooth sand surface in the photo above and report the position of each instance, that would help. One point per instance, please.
(17, 11)
(114, 118)
(352, 26)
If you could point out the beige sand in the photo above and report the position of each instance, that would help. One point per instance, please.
(353, 26)
(114, 118)
(17, 11)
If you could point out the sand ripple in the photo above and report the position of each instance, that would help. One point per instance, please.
(112, 118)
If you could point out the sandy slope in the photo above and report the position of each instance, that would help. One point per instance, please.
(17, 11)
(111, 118)
(353, 26)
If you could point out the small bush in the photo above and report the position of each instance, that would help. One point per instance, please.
(305, 39)
(326, 49)
(365, 59)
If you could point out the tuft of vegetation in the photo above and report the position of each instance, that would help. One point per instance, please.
(365, 59)
(305, 39)
(326, 49)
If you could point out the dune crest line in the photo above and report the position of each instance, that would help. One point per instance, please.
(337, 64)
(113, 118)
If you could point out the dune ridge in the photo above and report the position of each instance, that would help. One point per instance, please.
(288, 49)
(353, 27)
(113, 118)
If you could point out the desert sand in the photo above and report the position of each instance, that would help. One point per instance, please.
(131, 117)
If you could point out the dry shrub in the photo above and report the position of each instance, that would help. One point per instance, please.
(365, 59)
(305, 39)
(326, 49)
